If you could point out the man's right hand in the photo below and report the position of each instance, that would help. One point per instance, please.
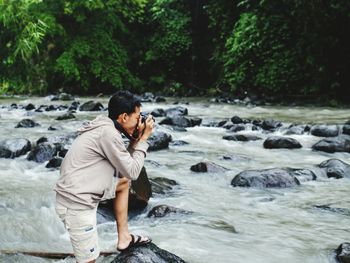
(149, 124)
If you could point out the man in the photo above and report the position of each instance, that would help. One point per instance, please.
(99, 167)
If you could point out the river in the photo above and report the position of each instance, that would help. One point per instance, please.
(228, 224)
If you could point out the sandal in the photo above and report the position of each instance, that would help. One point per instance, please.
(135, 241)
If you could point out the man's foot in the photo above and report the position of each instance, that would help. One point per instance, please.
(135, 241)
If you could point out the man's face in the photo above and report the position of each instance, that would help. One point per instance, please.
(131, 120)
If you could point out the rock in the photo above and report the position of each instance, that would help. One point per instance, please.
(158, 112)
(159, 99)
(55, 128)
(336, 168)
(241, 137)
(55, 162)
(215, 124)
(270, 125)
(161, 185)
(178, 143)
(147, 97)
(176, 111)
(149, 253)
(158, 141)
(140, 192)
(303, 175)
(340, 143)
(42, 153)
(236, 120)
(27, 123)
(73, 106)
(235, 158)
(346, 129)
(209, 167)
(163, 210)
(269, 178)
(29, 107)
(237, 128)
(12, 148)
(296, 129)
(181, 121)
(64, 96)
(343, 253)
(277, 142)
(66, 116)
(91, 106)
(51, 108)
(325, 130)
(337, 210)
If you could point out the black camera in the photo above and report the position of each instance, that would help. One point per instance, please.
(144, 116)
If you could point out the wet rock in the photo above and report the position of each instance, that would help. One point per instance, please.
(270, 125)
(343, 253)
(303, 175)
(235, 158)
(215, 124)
(335, 168)
(147, 97)
(27, 123)
(269, 178)
(55, 128)
(29, 107)
(346, 129)
(181, 121)
(59, 141)
(55, 162)
(210, 167)
(149, 253)
(65, 97)
(74, 106)
(14, 106)
(241, 137)
(340, 143)
(12, 148)
(158, 141)
(158, 112)
(52, 108)
(42, 153)
(296, 129)
(277, 142)
(91, 106)
(161, 185)
(140, 192)
(176, 111)
(178, 143)
(237, 128)
(337, 210)
(159, 99)
(62, 153)
(66, 116)
(163, 210)
(325, 130)
(236, 120)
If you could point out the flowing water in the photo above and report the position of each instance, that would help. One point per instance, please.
(227, 224)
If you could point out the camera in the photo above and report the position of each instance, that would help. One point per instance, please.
(144, 116)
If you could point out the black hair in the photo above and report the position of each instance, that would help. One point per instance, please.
(122, 102)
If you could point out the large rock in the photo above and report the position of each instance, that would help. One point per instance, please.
(140, 192)
(210, 167)
(297, 129)
(181, 121)
(176, 111)
(277, 142)
(241, 137)
(149, 253)
(55, 162)
(325, 130)
(269, 178)
(42, 153)
(336, 168)
(27, 123)
(340, 143)
(346, 129)
(161, 185)
(12, 148)
(158, 141)
(163, 210)
(343, 253)
(66, 116)
(270, 125)
(158, 112)
(237, 128)
(91, 106)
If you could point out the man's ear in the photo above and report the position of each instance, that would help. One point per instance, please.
(122, 118)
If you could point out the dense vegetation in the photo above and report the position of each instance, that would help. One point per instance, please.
(282, 49)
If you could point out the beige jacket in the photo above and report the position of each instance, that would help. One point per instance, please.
(89, 171)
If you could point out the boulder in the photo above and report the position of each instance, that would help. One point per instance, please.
(55, 162)
(340, 143)
(270, 125)
(64, 96)
(268, 178)
(158, 141)
(346, 129)
(337, 210)
(66, 116)
(241, 137)
(210, 167)
(325, 130)
(42, 152)
(27, 123)
(237, 120)
(335, 168)
(73, 106)
(161, 185)
(237, 128)
(176, 111)
(181, 121)
(277, 142)
(12, 148)
(296, 129)
(343, 253)
(149, 253)
(215, 124)
(158, 112)
(29, 107)
(91, 106)
(163, 210)
(140, 192)
(159, 99)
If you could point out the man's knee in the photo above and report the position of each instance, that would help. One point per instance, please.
(123, 184)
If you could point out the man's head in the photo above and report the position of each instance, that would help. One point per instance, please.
(124, 107)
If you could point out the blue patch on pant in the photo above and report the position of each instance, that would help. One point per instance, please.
(92, 250)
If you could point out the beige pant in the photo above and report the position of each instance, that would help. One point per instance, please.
(81, 226)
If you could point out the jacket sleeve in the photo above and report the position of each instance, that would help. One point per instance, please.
(128, 164)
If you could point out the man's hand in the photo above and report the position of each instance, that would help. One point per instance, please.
(147, 128)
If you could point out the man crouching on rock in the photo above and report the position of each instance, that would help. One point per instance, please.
(99, 167)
